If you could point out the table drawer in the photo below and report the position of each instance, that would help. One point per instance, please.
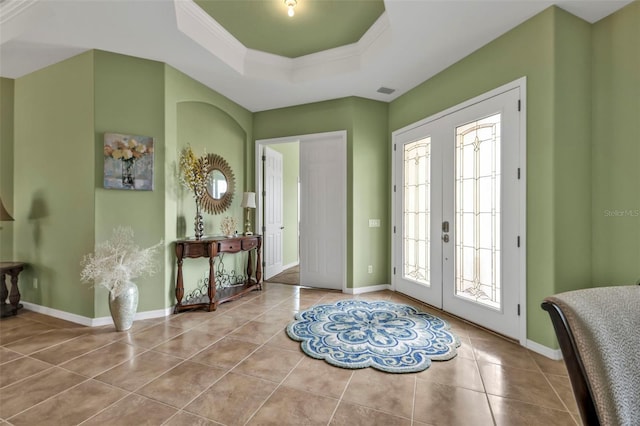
(196, 250)
(229, 246)
(248, 244)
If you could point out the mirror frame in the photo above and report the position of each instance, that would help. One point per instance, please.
(210, 204)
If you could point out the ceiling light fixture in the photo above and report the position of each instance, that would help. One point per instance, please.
(290, 5)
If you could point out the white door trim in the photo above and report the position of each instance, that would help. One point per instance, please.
(520, 84)
(314, 137)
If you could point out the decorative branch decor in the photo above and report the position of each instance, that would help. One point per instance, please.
(194, 172)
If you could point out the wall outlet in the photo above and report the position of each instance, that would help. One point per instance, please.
(35, 283)
(370, 269)
(374, 223)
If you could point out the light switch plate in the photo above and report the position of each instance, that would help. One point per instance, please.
(374, 223)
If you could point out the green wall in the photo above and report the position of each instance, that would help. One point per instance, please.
(552, 51)
(54, 185)
(129, 94)
(211, 123)
(6, 165)
(290, 177)
(367, 137)
(616, 148)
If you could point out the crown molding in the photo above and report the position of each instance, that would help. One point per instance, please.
(204, 30)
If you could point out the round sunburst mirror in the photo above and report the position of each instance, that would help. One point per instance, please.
(220, 185)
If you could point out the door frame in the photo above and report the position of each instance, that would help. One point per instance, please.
(520, 84)
(315, 138)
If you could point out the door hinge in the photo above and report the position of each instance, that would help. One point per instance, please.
(519, 105)
(394, 188)
(518, 309)
(518, 172)
(394, 270)
(518, 240)
(264, 229)
(264, 263)
(264, 158)
(264, 193)
(394, 229)
(394, 146)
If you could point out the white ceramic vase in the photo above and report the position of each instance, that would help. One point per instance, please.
(124, 306)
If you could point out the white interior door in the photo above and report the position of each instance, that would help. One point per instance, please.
(457, 212)
(273, 222)
(323, 208)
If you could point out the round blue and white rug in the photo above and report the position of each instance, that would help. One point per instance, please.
(387, 336)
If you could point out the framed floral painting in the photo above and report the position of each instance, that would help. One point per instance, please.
(128, 162)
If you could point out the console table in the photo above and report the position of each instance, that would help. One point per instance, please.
(211, 248)
(12, 269)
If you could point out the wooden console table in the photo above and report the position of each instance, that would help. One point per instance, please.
(12, 269)
(211, 248)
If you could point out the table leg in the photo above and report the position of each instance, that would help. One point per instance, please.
(213, 305)
(179, 282)
(14, 295)
(258, 268)
(4, 293)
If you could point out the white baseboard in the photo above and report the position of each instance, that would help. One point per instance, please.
(92, 322)
(290, 265)
(543, 350)
(369, 289)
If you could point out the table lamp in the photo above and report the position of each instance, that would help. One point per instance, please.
(248, 202)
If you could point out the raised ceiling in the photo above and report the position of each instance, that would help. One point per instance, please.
(411, 41)
(316, 26)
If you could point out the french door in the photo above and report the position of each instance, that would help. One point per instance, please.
(457, 212)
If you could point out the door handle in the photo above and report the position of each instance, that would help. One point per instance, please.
(445, 226)
(445, 238)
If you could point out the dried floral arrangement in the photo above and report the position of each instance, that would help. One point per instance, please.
(228, 226)
(117, 261)
(193, 172)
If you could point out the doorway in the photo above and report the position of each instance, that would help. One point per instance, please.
(459, 191)
(322, 207)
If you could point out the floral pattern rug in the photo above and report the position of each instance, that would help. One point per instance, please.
(390, 337)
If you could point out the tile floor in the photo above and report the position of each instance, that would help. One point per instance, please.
(236, 366)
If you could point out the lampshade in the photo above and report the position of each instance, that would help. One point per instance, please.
(248, 200)
(4, 214)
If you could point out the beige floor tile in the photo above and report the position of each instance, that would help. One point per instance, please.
(186, 344)
(133, 410)
(102, 359)
(461, 372)
(72, 406)
(154, 335)
(44, 340)
(280, 317)
(76, 347)
(181, 385)
(357, 415)
(19, 369)
(50, 321)
(503, 352)
(221, 325)
(313, 375)
(550, 366)
(188, 419)
(225, 353)
(282, 340)
(256, 332)
(465, 350)
(188, 320)
(269, 363)
(562, 386)
(35, 389)
(391, 393)
(523, 385)
(302, 408)
(249, 311)
(233, 399)
(441, 404)
(138, 371)
(7, 355)
(509, 412)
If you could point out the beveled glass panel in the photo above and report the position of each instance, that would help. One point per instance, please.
(417, 211)
(478, 211)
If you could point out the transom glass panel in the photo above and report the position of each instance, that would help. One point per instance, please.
(478, 211)
(417, 211)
